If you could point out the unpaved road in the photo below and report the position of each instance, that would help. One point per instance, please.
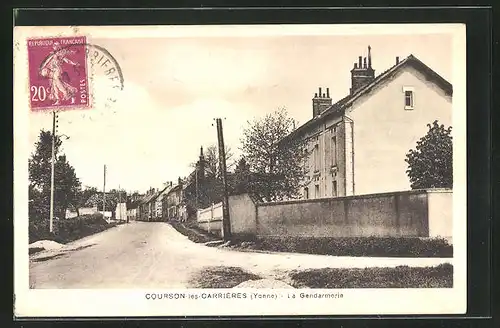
(154, 255)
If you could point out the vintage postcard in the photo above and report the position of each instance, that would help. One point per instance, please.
(240, 170)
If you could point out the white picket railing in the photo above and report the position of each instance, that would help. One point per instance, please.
(210, 214)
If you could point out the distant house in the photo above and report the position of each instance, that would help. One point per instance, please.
(144, 207)
(172, 201)
(96, 200)
(121, 211)
(158, 202)
(132, 210)
(71, 213)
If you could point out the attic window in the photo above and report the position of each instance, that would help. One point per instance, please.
(409, 97)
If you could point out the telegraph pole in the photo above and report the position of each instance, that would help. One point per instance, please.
(52, 160)
(120, 202)
(226, 225)
(104, 195)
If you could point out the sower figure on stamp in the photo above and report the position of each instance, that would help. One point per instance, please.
(53, 70)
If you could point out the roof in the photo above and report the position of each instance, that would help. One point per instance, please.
(339, 107)
(146, 199)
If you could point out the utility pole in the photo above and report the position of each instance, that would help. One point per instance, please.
(196, 186)
(52, 160)
(120, 202)
(104, 195)
(226, 225)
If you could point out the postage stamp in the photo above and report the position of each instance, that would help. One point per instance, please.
(58, 76)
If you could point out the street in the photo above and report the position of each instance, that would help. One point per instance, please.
(154, 255)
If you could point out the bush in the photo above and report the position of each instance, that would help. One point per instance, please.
(357, 246)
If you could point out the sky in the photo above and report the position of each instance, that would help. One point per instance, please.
(174, 88)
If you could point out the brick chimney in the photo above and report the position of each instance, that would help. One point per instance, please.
(321, 102)
(362, 73)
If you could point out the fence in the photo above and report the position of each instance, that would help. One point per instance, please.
(415, 213)
(210, 219)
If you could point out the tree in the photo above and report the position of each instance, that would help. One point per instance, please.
(212, 165)
(210, 186)
(242, 177)
(430, 164)
(66, 184)
(83, 196)
(274, 160)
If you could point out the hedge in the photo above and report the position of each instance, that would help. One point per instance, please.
(355, 246)
(67, 230)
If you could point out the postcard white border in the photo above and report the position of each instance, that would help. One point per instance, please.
(103, 303)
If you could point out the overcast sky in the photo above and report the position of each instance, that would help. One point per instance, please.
(174, 87)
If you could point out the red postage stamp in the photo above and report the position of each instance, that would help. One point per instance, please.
(58, 73)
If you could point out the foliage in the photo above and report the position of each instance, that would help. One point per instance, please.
(67, 230)
(83, 196)
(112, 198)
(66, 184)
(276, 164)
(430, 164)
(242, 177)
(205, 185)
(357, 246)
(212, 164)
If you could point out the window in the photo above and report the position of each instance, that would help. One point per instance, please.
(306, 193)
(334, 151)
(409, 97)
(334, 188)
(316, 191)
(316, 157)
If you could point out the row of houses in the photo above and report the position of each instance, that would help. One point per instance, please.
(169, 202)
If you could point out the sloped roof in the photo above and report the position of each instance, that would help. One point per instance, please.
(342, 104)
(146, 199)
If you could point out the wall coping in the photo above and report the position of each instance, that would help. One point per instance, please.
(210, 221)
(364, 196)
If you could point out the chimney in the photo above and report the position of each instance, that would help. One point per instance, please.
(363, 73)
(179, 181)
(397, 60)
(321, 102)
(369, 57)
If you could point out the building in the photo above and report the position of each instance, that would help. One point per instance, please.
(71, 212)
(173, 201)
(358, 145)
(146, 207)
(158, 214)
(121, 211)
(132, 210)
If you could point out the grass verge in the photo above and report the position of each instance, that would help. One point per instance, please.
(440, 276)
(69, 230)
(190, 230)
(353, 246)
(220, 277)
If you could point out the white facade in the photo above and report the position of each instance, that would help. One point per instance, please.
(121, 211)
